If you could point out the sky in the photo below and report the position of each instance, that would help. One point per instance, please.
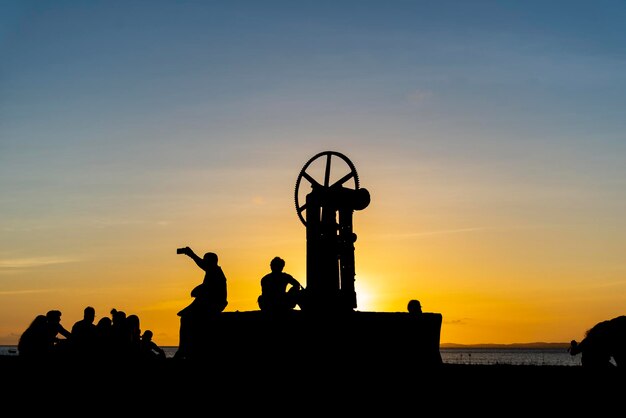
(490, 136)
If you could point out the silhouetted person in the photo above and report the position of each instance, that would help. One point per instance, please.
(83, 335)
(104, 338)
(132, 343)
(603, 341)
(592, 356)
(274, 294)
(57, 345)
(35, 340)
(149, 349)
(210, 298)
(118, 333)
(414, 307)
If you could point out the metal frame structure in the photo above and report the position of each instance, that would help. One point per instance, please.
(327, 214)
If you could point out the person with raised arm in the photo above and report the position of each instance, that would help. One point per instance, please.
(210, 299)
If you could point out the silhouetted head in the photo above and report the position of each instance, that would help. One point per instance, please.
(118, 317)
(90, 313)
(133, 323)
(414, 306)
(54, 316)
(574, 348)
(104, 322)
(147, 335)
(210, 258)
(39, 321)
(277, 264)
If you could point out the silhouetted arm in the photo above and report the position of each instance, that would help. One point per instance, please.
(61, 329)
(156, 349)
(195, 258)
(292, 281)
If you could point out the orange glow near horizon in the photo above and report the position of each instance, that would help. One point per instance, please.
(488, 289)
(497, 178)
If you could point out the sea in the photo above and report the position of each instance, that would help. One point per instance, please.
(511, 356)
(479, 356)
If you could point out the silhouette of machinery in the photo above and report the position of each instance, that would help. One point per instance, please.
(327, 193)
(327, 213)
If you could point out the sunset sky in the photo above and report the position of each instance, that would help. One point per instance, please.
(491, 136)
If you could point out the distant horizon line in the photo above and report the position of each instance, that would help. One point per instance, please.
(512, 345)
(537, 345)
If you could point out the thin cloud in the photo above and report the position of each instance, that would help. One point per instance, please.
(106, 223)
(419, 96)
(21, 263)
(608, 284)
(464, 231)
(461, 321)
(258, 200)
(450, 231)
(22, 292)
(167, 305)
(429, 233)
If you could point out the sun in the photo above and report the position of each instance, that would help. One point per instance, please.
(365, 297)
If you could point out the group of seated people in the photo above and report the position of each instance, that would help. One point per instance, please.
(117, 336)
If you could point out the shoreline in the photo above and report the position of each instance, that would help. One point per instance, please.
(14, 363)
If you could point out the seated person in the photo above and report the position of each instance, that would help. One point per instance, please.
(149, 349)
(274, 294)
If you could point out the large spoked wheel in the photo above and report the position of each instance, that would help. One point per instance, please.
(325, 170)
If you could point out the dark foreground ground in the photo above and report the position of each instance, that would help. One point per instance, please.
(286, 385)
(361, 364)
